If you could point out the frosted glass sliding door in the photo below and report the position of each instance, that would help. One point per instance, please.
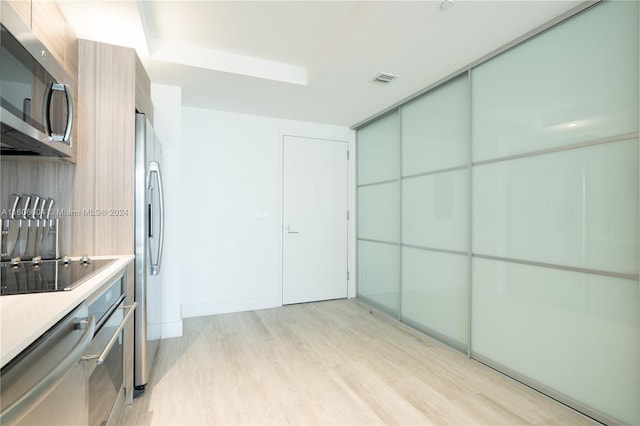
(435, 294)
(435, 212)
(378, 217)
(499, 212)
(378, 275)
(378, 212)
(555, 212)
(379, 151)
(575, 334)
(575, 83)
(574, 208)
(435, 129)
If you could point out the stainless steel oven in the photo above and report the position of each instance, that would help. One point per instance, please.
(105, 359)
(76, 373)
(46, 384)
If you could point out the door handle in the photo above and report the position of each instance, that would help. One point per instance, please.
(291, 231)
(64, 137)
(116, 335)
(154, 168)
(19, 409)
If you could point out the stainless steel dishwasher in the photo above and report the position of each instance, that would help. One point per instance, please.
(47, 383)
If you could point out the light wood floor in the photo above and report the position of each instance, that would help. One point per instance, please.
(331, 363)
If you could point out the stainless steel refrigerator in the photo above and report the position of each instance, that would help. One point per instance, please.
(149, 229)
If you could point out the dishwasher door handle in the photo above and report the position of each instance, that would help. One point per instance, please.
(114, 338)
(31, 399)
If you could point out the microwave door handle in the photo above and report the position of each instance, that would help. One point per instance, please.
(46, 105)
(46, 114)
(32, 398)
(154, 168)
(67, 130)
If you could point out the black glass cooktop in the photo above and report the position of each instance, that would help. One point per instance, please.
(47, 276)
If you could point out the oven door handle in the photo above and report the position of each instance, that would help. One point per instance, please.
(102, 356)
(34, 396)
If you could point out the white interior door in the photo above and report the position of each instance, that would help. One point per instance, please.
(314, 220)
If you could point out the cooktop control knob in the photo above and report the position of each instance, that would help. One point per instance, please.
(85, 260)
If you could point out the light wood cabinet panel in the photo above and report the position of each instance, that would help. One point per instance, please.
(71, 66)
(71, 52)
(105, 171)
(143, 91)
(50, 26)
(21, 8)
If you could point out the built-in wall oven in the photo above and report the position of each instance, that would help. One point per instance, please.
(47, 384)
(105, 361)
(75, 373)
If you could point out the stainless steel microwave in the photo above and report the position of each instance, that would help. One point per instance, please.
(37, 108)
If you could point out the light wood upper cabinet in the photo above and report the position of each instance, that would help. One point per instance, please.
(113, 85)
(143, 91)
(71, 52)
(50, 26)
(22, 8)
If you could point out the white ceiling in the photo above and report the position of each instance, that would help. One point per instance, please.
(305, 60)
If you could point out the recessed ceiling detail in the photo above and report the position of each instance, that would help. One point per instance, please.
(384, 78)
(306, 60)
(216, 60)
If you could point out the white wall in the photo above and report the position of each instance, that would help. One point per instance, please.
(231, 174)
(167, 101)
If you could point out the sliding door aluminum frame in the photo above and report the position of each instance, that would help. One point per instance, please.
(382, 182)
(435, 172)
(469, 218)
(571, 147)
(400, 144)
(632, 277)
(595, 414)
(547, 391)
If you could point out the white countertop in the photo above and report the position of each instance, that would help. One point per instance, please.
(25, 317)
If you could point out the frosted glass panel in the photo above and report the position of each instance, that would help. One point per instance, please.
(435, 292)
(379, 212)
(435, 129)
(379, 150)
(379, 274)
(574, 83)
(576, 208)
(573, 332)
(435, 211)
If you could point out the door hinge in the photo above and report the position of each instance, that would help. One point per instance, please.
(348, 154)
(347, 275)
(348, 215)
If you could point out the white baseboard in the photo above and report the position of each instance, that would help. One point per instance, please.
(171, 329)
(229, 306)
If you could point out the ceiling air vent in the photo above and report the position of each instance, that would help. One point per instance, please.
(384, 78)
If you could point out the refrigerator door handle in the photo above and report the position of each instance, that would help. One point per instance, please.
(154, 168)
